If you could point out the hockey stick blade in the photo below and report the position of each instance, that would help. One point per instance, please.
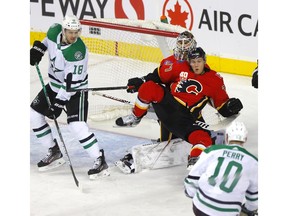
(112, 98)
(220, 125)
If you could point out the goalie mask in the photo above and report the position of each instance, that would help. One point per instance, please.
(71, 29)
(185, 42)
(236, 132)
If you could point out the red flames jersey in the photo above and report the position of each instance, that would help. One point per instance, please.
(193, 90)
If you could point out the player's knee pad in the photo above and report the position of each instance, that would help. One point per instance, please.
(36, 119)
(150, 92)
(200, 140)
(200, 136)
(79, 129)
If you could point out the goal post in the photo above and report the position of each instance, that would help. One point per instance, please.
(120, 49)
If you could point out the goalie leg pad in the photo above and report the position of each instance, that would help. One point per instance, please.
(160, 155)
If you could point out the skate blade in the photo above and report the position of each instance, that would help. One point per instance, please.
(120, 165)
(102, 174)
(124, 126)
(53, 165)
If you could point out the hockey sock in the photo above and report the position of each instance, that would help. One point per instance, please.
(87, 139)
(200, 140)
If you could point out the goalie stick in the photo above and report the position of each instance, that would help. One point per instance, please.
(160, 153)
(58, 129)
(215, 127)
(112, 97)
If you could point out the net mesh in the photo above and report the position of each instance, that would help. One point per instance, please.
(121, 49)
(117, 55)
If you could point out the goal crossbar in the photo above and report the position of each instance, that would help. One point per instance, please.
(122, 27)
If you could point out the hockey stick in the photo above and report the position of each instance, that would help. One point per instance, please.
(222, 124)
(69, 89)
(160, 153)
(215, 127)
(112, 98)
(57, 127)
(97, 89)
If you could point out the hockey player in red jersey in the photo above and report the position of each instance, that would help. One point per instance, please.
(188, 87)
(185, 42)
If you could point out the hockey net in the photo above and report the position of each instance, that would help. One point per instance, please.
(120, 49)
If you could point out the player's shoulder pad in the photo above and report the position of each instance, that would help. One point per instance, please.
(75, 52)
(213, 74)
(229, 147)
(168, 61)
(54, 31)
(214, 148)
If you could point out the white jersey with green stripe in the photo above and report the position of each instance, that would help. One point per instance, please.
(224, 177)
(65, 59)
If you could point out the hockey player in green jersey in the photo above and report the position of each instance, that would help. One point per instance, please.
(67, 55)
(224, 181)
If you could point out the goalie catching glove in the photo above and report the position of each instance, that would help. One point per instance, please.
(56, 108)
(36, 52)
(134, 84)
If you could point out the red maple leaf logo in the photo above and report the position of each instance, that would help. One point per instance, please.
(177, 17)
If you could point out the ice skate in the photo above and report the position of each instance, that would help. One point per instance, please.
(129, 120)
(125, 164)
(53, 159)
(191, 162)
(100, 167)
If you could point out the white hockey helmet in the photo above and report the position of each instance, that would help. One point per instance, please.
(236, 131)
(184, 43)
(71, 22)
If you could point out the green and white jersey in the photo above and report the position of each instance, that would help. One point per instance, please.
(224, 177)
(65, 59)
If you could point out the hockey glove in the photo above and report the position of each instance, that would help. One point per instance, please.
(231, 107)
(254, 80)
(246, 212)
(56, 109)
(134, 84)
(234, 105)
(36, 52)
